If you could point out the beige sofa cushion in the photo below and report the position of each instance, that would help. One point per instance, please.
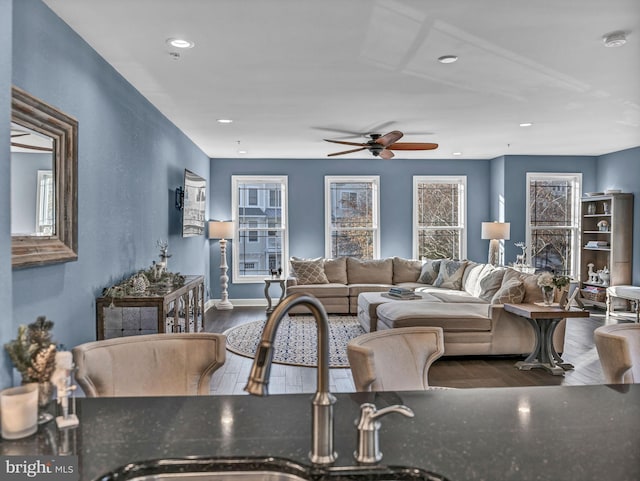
(336, 270)
(406, 270)
(471, 277)
(372, 271)
(450, 317)
(321, 290)
(309, 271)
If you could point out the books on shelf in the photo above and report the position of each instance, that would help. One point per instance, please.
(595, 244)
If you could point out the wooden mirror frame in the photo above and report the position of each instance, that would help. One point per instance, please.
(62, 246)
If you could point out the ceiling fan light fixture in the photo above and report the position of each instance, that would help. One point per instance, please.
(448, 58)
(180, 43)
(615, 39)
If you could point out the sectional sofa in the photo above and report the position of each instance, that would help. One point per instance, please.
(464, 298)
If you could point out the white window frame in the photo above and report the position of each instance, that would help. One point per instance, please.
(236, 182)
(576, 177)
(374, 180)
(461, 182)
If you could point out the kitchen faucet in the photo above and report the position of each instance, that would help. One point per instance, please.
(322, 404)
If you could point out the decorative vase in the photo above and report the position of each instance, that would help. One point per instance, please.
(45, 395)
(548, 294)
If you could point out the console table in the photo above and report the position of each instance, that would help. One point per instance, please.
(544, 320)
(159, 309)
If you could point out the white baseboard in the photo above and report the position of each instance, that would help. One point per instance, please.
(238, 302)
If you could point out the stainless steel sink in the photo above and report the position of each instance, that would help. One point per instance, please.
(259, 469)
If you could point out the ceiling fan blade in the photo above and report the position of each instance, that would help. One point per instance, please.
(386, 154)
(390, 138)
(412, 146)
(355, 144)
(32, 147)
(347, 152)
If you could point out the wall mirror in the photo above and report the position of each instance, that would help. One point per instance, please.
(44, 182)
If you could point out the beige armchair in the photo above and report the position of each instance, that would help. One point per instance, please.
(395, 359)
(149, 365)
(618, 347)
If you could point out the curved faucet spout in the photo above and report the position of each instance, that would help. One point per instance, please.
(323, 401)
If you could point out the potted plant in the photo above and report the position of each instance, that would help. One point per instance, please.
(33, 354)
(549, 283)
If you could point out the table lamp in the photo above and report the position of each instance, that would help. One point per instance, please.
(495, 232)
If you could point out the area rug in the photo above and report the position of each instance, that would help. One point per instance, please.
(296, 340)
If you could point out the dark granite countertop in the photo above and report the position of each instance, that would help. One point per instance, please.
(538, 433)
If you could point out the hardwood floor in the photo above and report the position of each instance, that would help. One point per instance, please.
(459, 372)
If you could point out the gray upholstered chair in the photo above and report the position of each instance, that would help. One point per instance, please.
(618, 347)
(394, 359)
(149, 365)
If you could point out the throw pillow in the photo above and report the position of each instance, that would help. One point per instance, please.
(336, 270)
(450, 274)
(490, 283)
(471, 278)
(309, 271)
(511, 292)
(406, 270)
(429, 271)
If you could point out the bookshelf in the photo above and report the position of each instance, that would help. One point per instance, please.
(606, 241)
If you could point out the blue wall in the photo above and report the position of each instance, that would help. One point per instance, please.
(306, 203)
(621, 170)
(131, 159)
(6, 326)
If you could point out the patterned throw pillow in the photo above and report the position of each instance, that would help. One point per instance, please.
(450, 274)
(491, 283)
(309, 271)
(511, 292)
(429, 271)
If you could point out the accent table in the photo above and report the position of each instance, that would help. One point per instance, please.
(544, 320)
(267, 284)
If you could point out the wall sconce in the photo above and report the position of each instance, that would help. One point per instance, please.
(495, 232)
(222, 230)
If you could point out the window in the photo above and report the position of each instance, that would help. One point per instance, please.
(352, 217)
(439, 217)
(553, 202)
(259, 205)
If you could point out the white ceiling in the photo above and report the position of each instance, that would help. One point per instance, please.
(292, 72)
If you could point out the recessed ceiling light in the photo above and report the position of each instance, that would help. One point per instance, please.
(225, 121)
(526, 124)
(447, 59)
(180, 43)
(456, 153)
(615, 39)
(242, 151)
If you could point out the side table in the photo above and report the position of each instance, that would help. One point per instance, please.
(267, 284)
(544, 320)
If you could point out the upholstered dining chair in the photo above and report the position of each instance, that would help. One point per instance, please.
(149, 365)
(618, 347)
(394, 359)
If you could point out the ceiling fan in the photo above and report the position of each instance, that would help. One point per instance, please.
(382, 145)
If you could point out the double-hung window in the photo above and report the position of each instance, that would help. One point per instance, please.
(553, 221)
(439, 217)
(352, 216)
(259, 204)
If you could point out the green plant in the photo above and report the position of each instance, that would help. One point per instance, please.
(547, 280)
(33, 353)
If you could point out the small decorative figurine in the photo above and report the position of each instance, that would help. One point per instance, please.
(603, 226)
(593, 276)
(164, 254)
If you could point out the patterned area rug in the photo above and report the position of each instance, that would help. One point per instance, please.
(296, 340)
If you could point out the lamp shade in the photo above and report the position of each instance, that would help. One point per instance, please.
(496, 230)
(220, 229)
